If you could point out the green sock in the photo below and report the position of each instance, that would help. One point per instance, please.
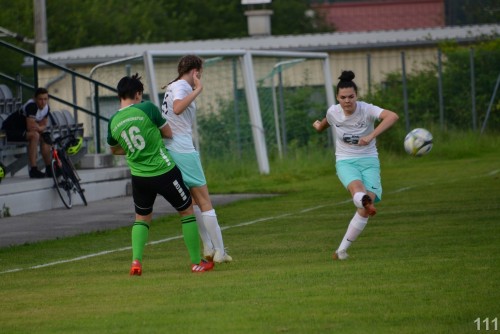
(191, 237)
(140, 233)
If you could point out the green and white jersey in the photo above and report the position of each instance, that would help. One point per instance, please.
(136, 129)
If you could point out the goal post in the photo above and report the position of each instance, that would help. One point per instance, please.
(227, 73)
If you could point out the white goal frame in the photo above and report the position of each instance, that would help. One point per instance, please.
(246, 58)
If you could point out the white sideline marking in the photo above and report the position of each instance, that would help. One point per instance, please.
(493, 172)
(84, 257)
(222, 228)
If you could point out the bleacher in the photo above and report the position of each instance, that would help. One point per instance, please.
(13, 155)
(8, 103)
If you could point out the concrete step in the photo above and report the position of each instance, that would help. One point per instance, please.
(20, 194)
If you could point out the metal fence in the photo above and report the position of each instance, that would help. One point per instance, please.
(439, 89)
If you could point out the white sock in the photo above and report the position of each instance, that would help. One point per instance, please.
(208, 246)
(213, 229)
(356, 226)
(357, 199)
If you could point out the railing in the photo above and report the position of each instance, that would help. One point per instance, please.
(36, 60)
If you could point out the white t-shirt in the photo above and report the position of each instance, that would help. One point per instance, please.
(30, 109)
(181, 125)
(349, 129)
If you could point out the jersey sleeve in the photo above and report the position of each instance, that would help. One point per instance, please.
(155, 115)
(180, 91)
(374, 111)
(30, 110)
(329, 115)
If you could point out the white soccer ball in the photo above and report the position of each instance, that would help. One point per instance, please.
(418, 142)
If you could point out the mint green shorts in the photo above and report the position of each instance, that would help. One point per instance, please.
(190, 166)
(367, 170)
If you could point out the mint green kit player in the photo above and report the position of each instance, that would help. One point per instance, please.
(356, 126)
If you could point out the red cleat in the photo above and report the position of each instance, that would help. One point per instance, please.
(203, 266)
(136, 268)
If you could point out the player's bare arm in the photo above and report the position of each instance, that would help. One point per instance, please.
(182, 104)
(388, 118)
(117, 150)
(321, 125)
(166, 131)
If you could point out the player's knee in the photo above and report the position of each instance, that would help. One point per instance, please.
(143, 211)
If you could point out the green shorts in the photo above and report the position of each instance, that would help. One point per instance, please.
(190, 166)
(367, 170)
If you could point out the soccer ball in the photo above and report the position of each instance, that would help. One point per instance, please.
(418, 142)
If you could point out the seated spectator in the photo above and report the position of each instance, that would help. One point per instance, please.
(28, 124)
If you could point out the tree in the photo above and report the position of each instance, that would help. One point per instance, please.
(80, 23)
(423, 94)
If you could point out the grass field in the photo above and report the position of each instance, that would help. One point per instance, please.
(428, 262)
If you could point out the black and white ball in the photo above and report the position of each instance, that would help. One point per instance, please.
(418, 142)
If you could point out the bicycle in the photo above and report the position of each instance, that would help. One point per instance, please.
(66, 178)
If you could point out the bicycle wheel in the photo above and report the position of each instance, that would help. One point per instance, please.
(80, 191)
(62, 183)
(68, 164)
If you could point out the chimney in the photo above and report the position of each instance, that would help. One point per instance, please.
(258, 19)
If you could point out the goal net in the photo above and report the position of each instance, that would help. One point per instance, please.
(255, 105)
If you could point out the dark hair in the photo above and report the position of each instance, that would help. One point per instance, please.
(186, 64)
(345, 81)
(40, 91)
(129, 86)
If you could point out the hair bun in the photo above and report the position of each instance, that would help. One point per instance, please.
(347, 76)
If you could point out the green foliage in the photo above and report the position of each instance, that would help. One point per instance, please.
(17, 17)
(95, 22)
(449, 146)
(87, 23)
(303, 106)
(422, 86)
(226, 132)
(289, 18)
(466, 12)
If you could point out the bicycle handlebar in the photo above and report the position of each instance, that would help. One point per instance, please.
(47, 137)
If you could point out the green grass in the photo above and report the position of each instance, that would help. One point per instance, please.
(428, 262)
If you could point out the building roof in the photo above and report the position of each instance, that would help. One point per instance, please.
(325, 42)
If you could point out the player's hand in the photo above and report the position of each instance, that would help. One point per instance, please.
(363, 141)
(197, 81)
(317, 125)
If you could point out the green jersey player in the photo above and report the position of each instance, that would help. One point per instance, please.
(136, 131)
